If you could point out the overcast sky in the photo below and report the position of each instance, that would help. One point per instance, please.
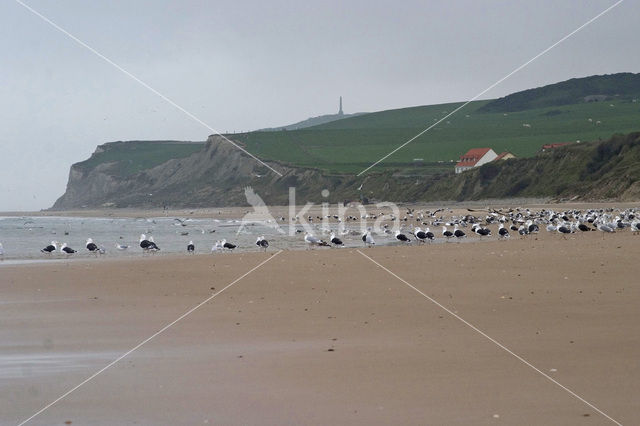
(244, 65)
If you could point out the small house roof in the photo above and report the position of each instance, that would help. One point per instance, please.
(502, 155)
(472, 157)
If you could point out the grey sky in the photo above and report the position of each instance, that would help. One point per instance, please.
(250, 64)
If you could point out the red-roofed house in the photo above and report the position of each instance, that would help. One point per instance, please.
(504, 156)
(475, 157)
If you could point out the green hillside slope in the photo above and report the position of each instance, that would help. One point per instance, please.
(350, 145)
(577, 90)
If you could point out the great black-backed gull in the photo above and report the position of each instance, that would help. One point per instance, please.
(503, 232)
(458, 233)
(420, 235)
(402, 237)
(564, 229)
(190, 247)
(144, 243)
(335, 240)
(262, 243)
(92, 247)
(66, 249)
(228, 246)
(50, 248)
(446, 233)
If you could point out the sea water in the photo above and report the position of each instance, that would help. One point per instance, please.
(24, 237)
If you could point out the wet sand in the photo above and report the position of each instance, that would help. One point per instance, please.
(327, 337)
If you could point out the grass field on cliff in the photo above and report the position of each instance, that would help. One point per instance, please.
(352, 144)
(131, 157)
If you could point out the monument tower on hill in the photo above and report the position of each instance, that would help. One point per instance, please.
(340, 110)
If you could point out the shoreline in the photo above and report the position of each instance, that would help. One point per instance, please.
(238, 211)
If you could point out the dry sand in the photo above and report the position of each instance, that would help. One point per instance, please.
(327, 337)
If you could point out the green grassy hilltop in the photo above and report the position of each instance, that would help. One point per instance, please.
(352, 144)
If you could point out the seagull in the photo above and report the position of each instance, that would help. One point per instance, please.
(1, 250)
(367, 239)
(401, 237)
(313, 241)
(563, 229)
(532, 227)
(445, 233)
(217, 246)
(420, 235)
(144, 243)
(503, 232)
(458, 233)
(67, 249)
(121, 246)
(430, 235)
(335, 240)
(152, 245)
(92, 247)
(190, 247)
(226, 245)
(480, 230)
(604, 227)
(584, 228)
(261, 242)
(50, 248)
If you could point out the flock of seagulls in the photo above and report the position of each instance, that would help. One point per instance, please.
(522, 222)
(519, 222)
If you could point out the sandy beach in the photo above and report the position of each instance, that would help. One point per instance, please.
(328, 337)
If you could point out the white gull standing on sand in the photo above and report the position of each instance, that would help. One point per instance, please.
(367, 239)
